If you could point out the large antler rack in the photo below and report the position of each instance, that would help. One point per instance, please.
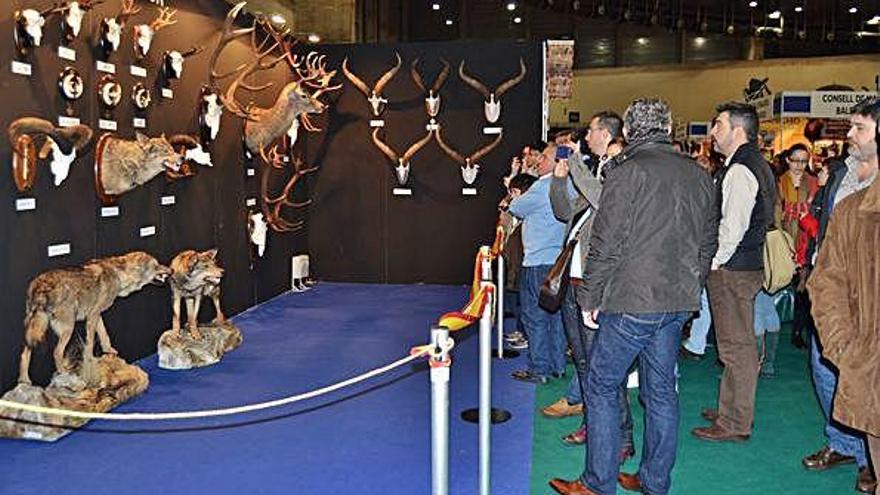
(127, 9)
(272, 205)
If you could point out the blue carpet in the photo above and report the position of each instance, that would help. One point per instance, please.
(373, 438)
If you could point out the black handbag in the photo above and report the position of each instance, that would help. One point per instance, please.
(554, 286)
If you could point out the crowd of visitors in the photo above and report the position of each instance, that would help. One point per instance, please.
(663, 244)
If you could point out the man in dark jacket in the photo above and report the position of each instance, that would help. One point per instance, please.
(649, 254)
(746, 191)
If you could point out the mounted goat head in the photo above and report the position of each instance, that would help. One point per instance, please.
(432, 95)
(374, 96)
(401, 164)
(492, 105)
(470, 166)
(111, 27)
(121, 165)
(62, 142)
(172, 62)
(144, 33)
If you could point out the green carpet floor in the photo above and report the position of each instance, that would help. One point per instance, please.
(788, 425)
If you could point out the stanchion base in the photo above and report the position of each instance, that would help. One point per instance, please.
(496, 415)
(505, 354)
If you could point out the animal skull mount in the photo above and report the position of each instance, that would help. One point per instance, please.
(374, 96)
(109, 92)
(492, 105)
(172, 63)
(70, 84)
(141, 97)
(400, 163)
(264, 126)
(432, 94)
(470, 166)
(191, 152)
(210, 111)
(111, 27)
(28, 30)
(257, 230)
(144, 33)
(74, 11)
(62, 142)
(114, 173)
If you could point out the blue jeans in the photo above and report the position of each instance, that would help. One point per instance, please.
(766, 317)
(581, 338)
(543, 329)
(840, 438)
(696, 343)
(622, 337)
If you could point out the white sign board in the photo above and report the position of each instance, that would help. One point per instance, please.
(836, 104)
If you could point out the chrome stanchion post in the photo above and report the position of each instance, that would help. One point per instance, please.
(499, 294)
(485, 374)
(439, 412)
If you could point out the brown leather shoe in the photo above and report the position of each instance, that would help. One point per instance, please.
(710, 415)
(716, 433)
(866, 482)
(630, 482)
(570, 487)
(826, 458)
(577, 437)
(562, 409)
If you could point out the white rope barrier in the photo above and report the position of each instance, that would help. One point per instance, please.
(207, 413)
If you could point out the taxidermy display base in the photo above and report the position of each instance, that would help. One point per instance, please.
(99, 386)
(183, 353)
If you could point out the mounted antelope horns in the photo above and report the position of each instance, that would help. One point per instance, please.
(380, 84)
(474, 157)
(438, 83)
(482, 89)
(407, 155)
(513, 81)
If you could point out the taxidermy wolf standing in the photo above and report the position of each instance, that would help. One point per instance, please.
(196, 274)
(59, 298)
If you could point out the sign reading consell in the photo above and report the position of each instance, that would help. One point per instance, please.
(836, 104)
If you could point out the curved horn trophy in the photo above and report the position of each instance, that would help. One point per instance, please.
(492, 105)
(432, 95)
(62, 142)
(470, 165)
(374, 96)
(401, 164)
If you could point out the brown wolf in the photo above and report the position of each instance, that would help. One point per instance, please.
(60, 298)
(196, 274)
(123, 164)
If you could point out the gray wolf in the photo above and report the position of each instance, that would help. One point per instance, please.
(196, 275)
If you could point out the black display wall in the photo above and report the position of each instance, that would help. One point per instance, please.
(359, 231)
(209, 209)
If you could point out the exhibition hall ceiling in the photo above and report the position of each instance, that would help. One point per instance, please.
(331, 20)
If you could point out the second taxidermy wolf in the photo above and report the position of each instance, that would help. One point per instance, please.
(59, 298)
(196, 275)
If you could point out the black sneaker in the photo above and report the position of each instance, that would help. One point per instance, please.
(528, 376)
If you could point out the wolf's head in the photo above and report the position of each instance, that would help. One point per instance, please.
(137, 269)
(198, 268)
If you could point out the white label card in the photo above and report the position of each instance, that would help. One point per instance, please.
(468, 191)
(492, 130)
(21, 68)
(432, 127)
(25, 204)
(109, 211)
(250, 202)
(107, 125)
(105, 67)
(67, 53)
(168, 200)
(167, 93)
(67, 121)
(138, 71)
(148, 231)
(58, 249)
(251, 172)
(139, 123)
(402, 191)
(377, 123)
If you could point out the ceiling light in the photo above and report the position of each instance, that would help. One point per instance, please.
(517, 20)
(511, 5)
(642, 41)
(798, 9)
(699, 41)
(448, 22)
(753, 4)
(435, 6)
(278, 19)
(314, 38)
(853, 10)
(874, 20)
(776, 14)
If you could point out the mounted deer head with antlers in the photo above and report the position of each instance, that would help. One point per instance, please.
(264, 126)
(144, 33)
(374, 96)
(111, 27)
(470, 166)
(432, 95)
(172, 62)
(492, 105)
(62, 142)
(400, 163)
